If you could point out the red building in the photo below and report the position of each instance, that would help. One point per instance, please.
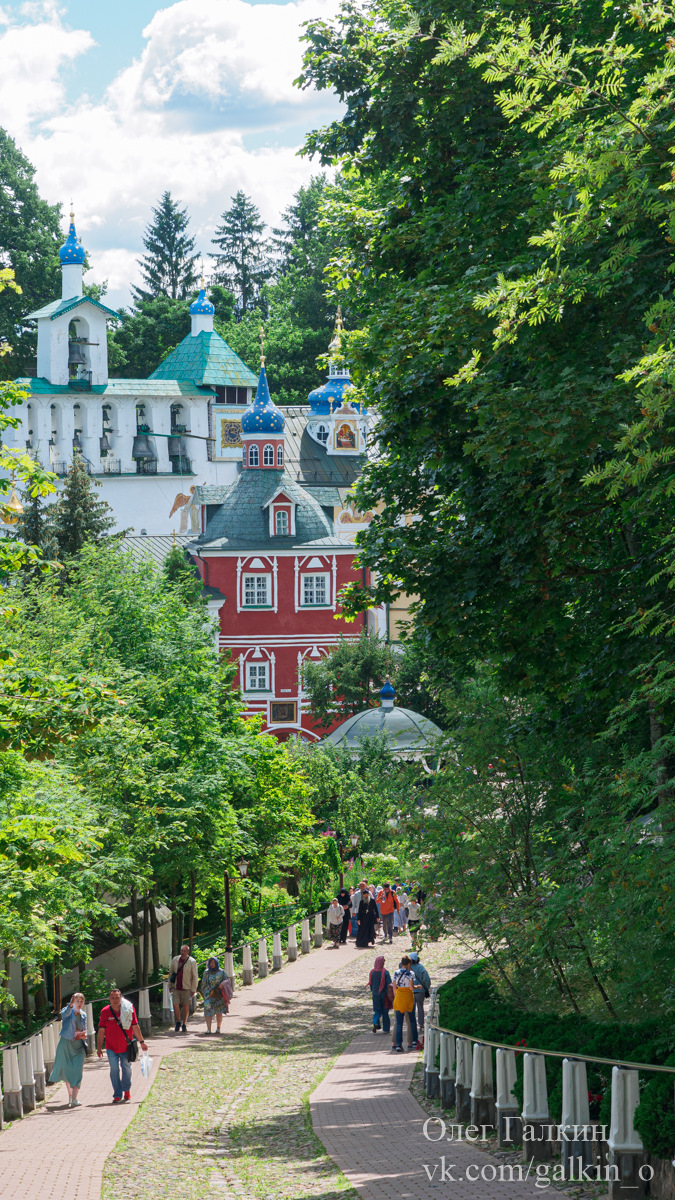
(270, 554)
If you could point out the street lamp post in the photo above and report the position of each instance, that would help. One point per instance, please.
(228, 915)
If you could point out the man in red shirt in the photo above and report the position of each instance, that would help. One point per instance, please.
(388, 903)
(119, 1026)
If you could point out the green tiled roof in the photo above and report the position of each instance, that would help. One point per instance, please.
(116, 387)
(206, 359)
(57, 307)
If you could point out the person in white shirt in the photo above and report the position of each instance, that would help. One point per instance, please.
(414, 920)
(335, 914)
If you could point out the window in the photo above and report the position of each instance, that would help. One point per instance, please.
(253, 456)
(231, 394)
(281, 524)
(256, 590)
(242, 395)
(257, 677)
(322, 433)
(315, 589)
(268, 456)
(280, 456)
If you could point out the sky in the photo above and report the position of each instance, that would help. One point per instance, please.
(116, 101)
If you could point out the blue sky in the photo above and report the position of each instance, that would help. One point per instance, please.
(115, 101)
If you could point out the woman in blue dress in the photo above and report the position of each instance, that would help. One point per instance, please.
(71, 1052)
(215, 1003)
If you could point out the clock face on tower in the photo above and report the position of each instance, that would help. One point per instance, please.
(228, 433)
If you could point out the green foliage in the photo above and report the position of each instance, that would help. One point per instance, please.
(242, 262)
(30, 236)
(168, 267)
(145, 336)
(78, 517)
(348, 679)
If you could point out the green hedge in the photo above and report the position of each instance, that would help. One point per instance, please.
(470, 1004)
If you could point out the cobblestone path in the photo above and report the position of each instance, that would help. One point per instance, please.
(231, 1117)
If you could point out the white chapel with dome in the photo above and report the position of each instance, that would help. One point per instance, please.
(149, 442)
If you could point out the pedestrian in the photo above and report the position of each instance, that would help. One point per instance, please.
(404, 1002)
(215, 1003)
(367, 916)
(379, 982)
(335, 915)
(414, 920)
(388, 906)
(422, 989)
(71, 1051)
(346, 901)
(118, 1026)
(183, 983)
(403, 911)
(356, 900)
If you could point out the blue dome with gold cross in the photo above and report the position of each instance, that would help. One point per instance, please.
(262, 416)
(201, 306)
(72, 251)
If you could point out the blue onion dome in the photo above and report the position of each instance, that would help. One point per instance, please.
(72, 250)
(263, 416)
(202, 306)
(387, 692)
(327, 398)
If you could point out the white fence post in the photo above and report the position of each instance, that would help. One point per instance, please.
(292, 943)
(509, 1126)
(626, 1152)
(463, 1072)
(577, 1147)
(247, 965)
(38, 1065)
(447, 1074)
(277, 956)
(432, 1085)
(13, 1096)
(482, 1086)
(91, 1032)
(318, 931)
(262, 958)
(26, 1076)
(167, 1004)
(537, 1144)
(228, 966)
(144, 1018)
(305, 940)
(48, 1048)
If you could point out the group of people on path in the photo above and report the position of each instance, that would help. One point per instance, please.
(404, 995)
(363, 909)
(119, 1032)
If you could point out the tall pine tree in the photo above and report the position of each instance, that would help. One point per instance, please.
(35, 527)
(168, 268)
(78, 516)
(243, 262)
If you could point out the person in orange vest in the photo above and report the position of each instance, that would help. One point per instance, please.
(388, 902)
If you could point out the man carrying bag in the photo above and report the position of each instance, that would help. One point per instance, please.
(183, 984)
(118, 1026)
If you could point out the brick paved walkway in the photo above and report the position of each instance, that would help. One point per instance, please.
(372, 1127)
(59, 1153)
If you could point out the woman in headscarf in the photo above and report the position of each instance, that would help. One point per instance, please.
(367, 917)
(335, 917)
(215, 1003)
(378, 982)
(346, 901)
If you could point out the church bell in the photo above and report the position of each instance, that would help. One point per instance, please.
(104, 444)
(142, 447)
(76, 355)
(77, 442)
(177, 447)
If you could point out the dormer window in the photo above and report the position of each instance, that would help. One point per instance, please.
(280, 456)
(253, 459)
(322, 433)
(281, 523)
(268, 456)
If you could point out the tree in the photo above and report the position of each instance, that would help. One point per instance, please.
(348, 679)
(168, 268)
(30, 236)
(78, 517)
(242, 262)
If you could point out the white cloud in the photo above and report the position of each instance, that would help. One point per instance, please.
(213, 73)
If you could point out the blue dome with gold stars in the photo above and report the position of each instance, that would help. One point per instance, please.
(202, 306)
(72, 250)
(263, 416)
(327, 398)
